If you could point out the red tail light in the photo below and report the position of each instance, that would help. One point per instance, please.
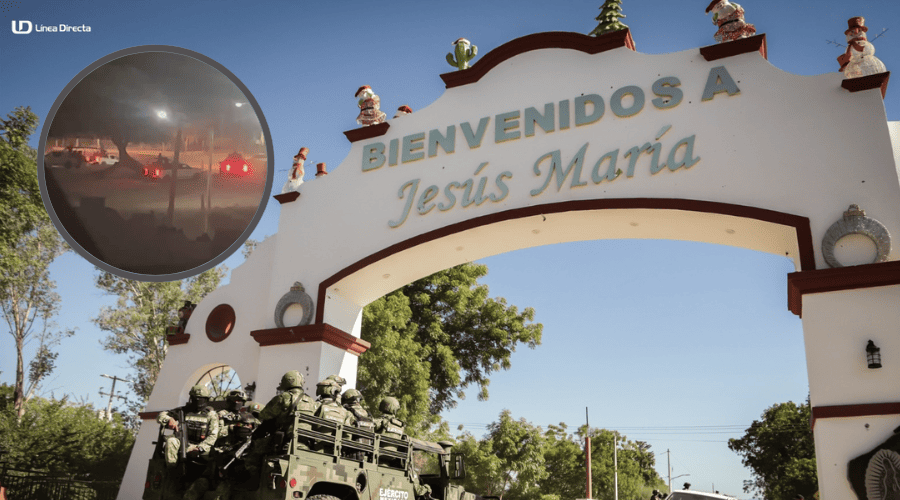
(282, 484)
(245, 168)
(293, 483)
(228, 167)
(146, 171)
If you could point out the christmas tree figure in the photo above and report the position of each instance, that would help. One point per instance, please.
(609, 17)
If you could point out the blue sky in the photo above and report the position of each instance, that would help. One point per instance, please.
(657, 338)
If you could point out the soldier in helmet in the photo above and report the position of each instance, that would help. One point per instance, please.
(389, 425)
(236, 424)
(201, 422)
(340, 381)
(201, 428)
(231, 415)
(278, 415)
(352, 401)
(329, 393)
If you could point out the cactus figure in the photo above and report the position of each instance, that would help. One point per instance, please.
(465, 52)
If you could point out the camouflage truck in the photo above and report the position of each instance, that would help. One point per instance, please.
(324, 460)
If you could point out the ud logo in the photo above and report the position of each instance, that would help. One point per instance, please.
(23, 29)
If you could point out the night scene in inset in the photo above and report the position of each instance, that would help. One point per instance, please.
(155, 163)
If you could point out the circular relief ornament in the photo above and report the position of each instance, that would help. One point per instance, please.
(856, 222)
(297, 295)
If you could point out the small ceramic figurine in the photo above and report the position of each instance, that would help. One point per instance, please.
(465, 52)
(729, 17)
(403, 110)
(370, 112)
(859, 60)
(296, 177)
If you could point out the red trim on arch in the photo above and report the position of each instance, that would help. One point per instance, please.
(322, 332)
(736, 47)
(860, 410)
(149, 415)
(550, 40)
(841, 278)
(800, 224)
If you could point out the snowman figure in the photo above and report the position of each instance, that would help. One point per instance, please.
(729, 17)
(370, 112)
(859, 59)
(403, 110)
(296, 177)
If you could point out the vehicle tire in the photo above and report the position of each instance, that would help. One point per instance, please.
(322, 497)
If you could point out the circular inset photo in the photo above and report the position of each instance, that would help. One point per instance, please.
(155, 163)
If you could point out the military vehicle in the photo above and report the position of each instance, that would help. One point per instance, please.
(323, 460)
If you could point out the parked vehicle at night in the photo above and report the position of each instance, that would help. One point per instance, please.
(64, 158)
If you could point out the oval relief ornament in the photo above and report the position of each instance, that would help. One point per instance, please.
(297, 295)
(883, 476)
(856, 222)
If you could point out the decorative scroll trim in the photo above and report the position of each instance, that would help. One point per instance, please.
(297, 295)
(321, 332)
(856, 222)
(551, 40)
(742, 46)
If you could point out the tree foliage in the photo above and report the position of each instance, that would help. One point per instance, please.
(779, 450)
(21, 206)
(29, 302)
(59, 437)
(137, 324)
(436, 336)
(521, 461)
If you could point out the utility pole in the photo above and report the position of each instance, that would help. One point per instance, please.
(616, 465)
(587, 451)
(112, 394)
(669, 464)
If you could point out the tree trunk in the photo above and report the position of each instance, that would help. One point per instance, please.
(19, 395)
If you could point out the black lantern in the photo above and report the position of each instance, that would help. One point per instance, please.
(873, 355)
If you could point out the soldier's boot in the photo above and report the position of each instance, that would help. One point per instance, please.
(197, 490)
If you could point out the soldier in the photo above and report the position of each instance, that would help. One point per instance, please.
(201, 428)
(340, 381)
(278, 415)
(236, 428)
(231, 415)
(352, 403)
(330, 407)
(389, 424)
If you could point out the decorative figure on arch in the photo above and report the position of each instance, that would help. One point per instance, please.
(295, 179)
(464, 52)
(370, 112)
(403, 110)
(610, 13)
(729, 17)
(859, 59)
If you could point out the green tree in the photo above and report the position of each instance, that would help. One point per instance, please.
(779, 450)
(137, 323)
(610, 13)
(510, 459)
(446, 327)
(564, 461)
(21, 206)
(635, 465)
(59, 437)
(28, 302)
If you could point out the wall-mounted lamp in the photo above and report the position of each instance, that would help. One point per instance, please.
(873, 355)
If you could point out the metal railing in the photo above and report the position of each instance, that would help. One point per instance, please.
(37, 485)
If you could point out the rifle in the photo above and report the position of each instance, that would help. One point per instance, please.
(239, 453)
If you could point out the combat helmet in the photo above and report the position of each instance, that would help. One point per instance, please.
(328, 388)
(290, 380)
(253, 408)
(236, 395)
(199, 391)
(351, 396)
(389, 405)
(339, 380)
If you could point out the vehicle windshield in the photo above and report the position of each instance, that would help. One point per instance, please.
(425, 463)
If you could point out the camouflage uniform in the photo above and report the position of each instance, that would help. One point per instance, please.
(360, 416)
(201, 426)
(389, 425)
(278, 415)
(330, 407)
(201, 422)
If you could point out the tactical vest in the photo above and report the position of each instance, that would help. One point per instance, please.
(331, 410)
(197, 425)
(363, 420)
(391, 426)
